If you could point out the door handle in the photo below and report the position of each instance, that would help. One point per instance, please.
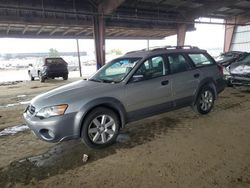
(164, 82)
(197, 75)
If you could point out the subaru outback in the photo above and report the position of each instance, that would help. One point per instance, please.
(137, 85)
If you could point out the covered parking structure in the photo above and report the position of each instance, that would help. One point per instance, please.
(116, 19)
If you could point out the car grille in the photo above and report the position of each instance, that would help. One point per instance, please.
(31, 109)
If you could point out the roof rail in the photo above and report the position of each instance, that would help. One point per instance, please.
(156, 48)
(130, 52)
(176, 47)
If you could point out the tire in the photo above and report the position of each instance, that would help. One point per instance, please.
(95, 134)
(41, 78)
(205, 100)
(65, 77)
(31, 77)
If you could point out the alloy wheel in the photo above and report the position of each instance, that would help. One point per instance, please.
(101, 129)
(206, 100)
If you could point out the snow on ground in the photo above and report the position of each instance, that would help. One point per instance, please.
(14, 130)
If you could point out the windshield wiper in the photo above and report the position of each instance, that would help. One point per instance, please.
(94, 80)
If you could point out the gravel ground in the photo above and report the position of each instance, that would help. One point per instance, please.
(175, 149)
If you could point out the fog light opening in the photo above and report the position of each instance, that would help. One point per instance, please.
(47, 134)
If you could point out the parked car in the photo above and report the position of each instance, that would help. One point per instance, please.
(46, 68)
(226, 59)
(137, 85)
(240, 72)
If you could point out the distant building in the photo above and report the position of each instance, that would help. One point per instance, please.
(40, 54)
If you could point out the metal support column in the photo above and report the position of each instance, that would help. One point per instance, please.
(181, 34)
(99, 37)
(228, 37)
(148, 44)
(79, 57)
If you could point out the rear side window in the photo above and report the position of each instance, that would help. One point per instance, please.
(200, 60)
(178, 63)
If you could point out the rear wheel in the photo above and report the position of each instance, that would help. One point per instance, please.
(205, 100)
(100, 128)
(65, 77)
(41, 78)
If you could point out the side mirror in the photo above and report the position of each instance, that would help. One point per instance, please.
(137, 78)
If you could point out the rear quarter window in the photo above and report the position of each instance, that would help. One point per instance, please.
(200, 60)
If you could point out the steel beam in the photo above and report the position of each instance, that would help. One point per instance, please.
(8, 29)
(40, 30)
(228, 37)
(109, 6)
(99, 37)
(68, 31)
(54, 31)
(25, 29)
(181, 34)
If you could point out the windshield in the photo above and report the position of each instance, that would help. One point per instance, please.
(246, 59)
(225, 57)
(115, 71)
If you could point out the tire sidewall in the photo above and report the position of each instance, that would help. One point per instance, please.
(31, 77)
(41, 78)
(198, 107)
(93, 114)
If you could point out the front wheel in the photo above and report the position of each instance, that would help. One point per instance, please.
(205, 101)
(31, 77)
(100, 128)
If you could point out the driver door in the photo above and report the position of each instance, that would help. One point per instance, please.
(149, 90)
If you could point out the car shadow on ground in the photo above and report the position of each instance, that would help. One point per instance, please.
(68, 155)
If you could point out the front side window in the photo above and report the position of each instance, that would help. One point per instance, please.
(200, 60)
(152, 68)
(115, 71)
(177, 63)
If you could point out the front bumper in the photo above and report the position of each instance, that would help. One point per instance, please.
(238, 80)
(53, 129)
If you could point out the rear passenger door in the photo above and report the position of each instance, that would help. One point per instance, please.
(205, 64)
(185, 79)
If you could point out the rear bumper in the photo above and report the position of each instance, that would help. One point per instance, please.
(220, 85)
(55, 74)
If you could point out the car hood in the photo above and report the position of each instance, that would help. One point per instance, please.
(70, 93)
(240, 68)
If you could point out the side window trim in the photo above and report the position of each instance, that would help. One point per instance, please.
(203, 53)
(165, 65)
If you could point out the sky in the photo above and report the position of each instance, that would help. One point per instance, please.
(205, 36)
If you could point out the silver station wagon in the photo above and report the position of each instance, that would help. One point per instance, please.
(137, 85)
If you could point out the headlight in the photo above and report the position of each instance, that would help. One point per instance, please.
(52, 111)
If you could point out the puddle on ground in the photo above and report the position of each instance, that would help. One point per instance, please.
(13, 130)
(123, 138)
(246, 91)
(68, 155)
